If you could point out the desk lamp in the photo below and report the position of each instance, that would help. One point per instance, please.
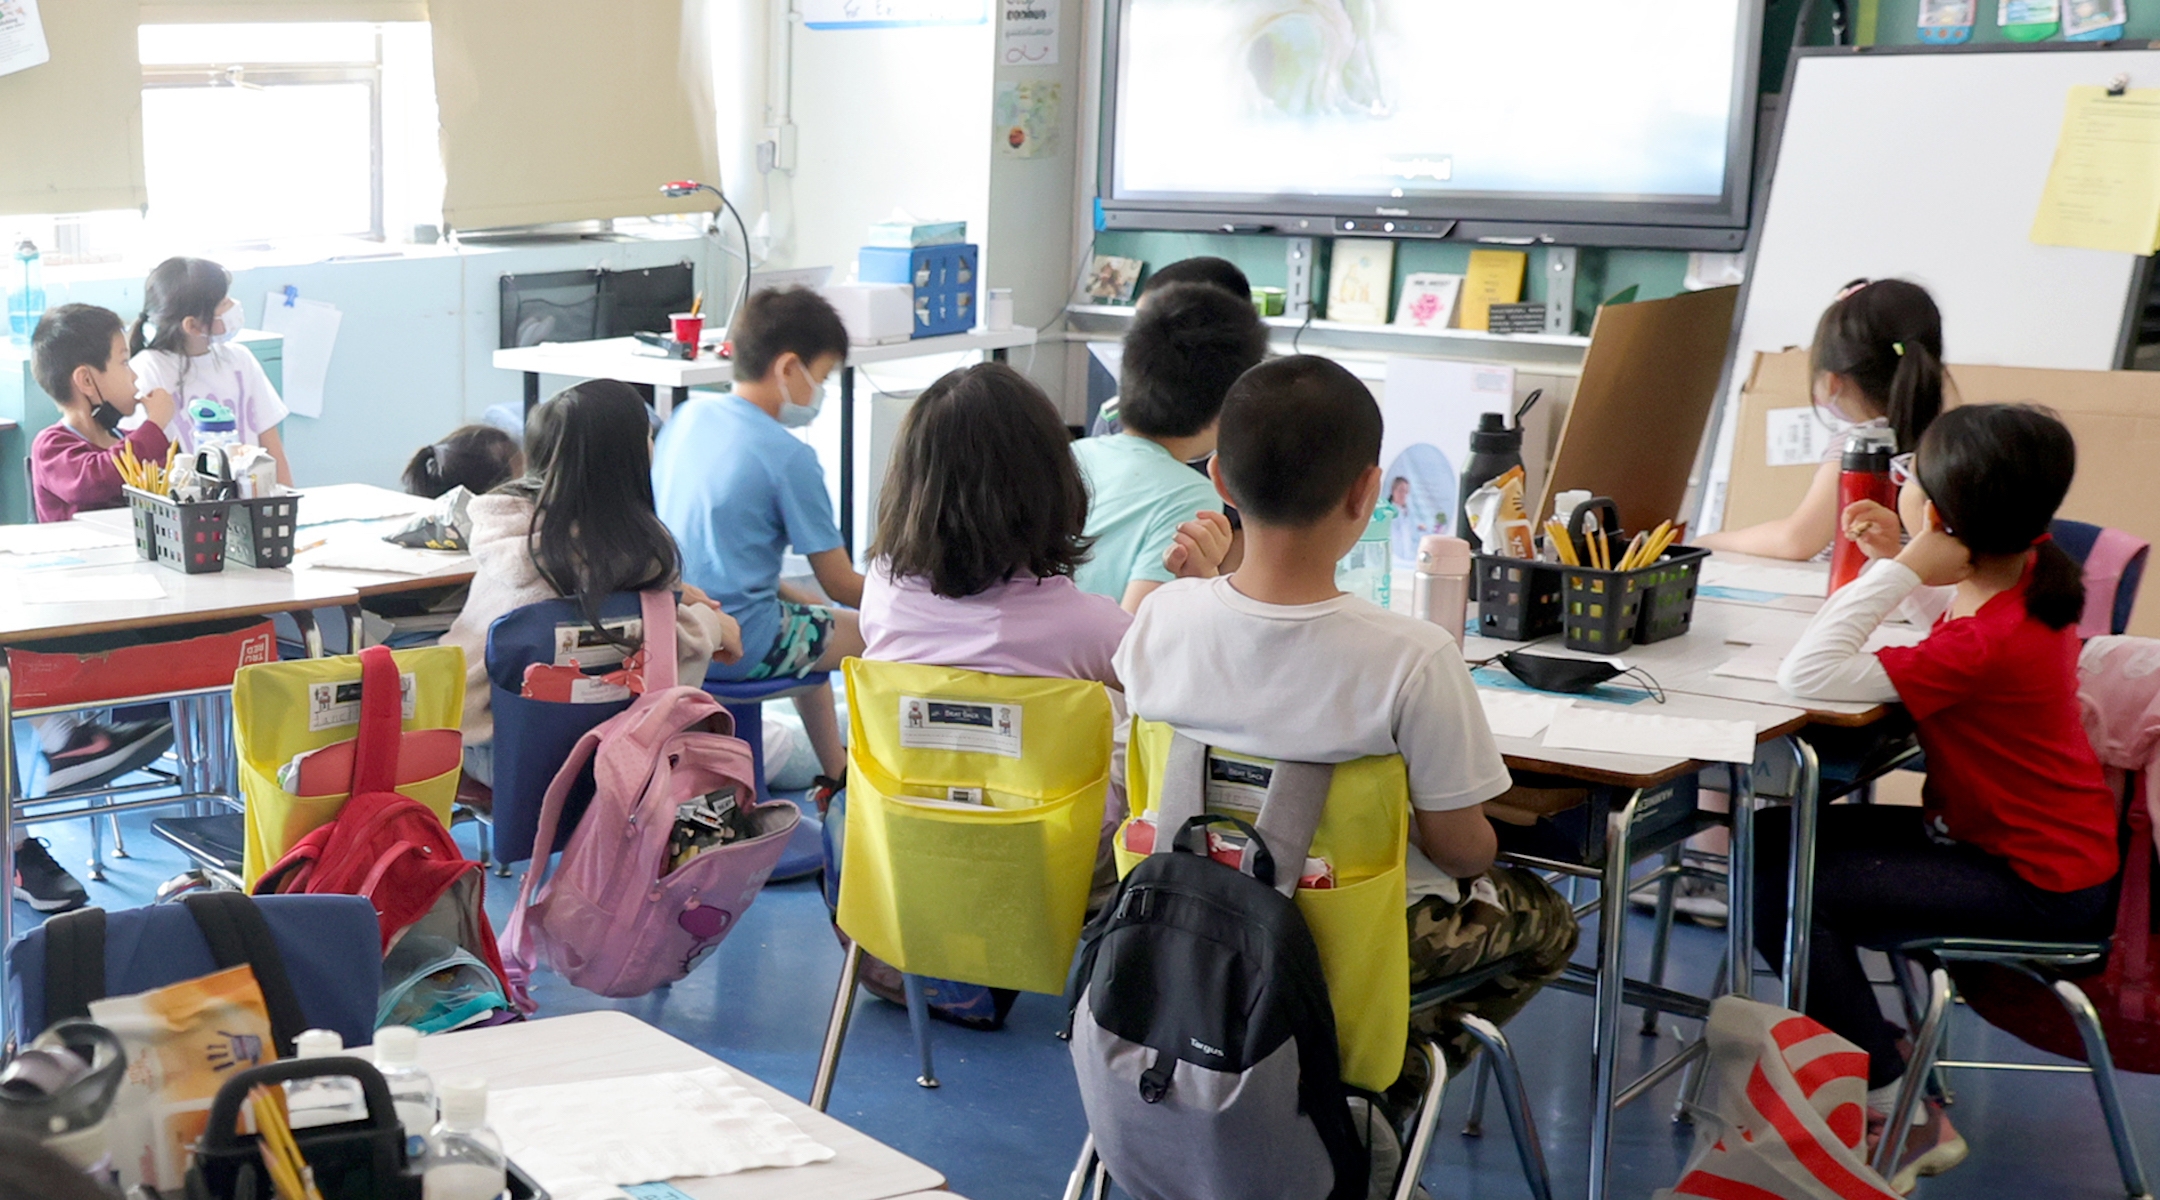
(680, 188)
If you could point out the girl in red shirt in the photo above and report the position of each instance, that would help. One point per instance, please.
(2017, 834)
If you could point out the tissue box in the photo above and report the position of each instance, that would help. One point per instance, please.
(906, 235)
(943, 279)
(874, 313)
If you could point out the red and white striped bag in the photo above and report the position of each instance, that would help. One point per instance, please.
(1785, 1113)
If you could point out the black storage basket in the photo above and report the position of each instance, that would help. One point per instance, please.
(1518, 599)
(186, 537)
(263, 530)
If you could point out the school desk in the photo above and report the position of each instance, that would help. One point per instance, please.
(607, 1045)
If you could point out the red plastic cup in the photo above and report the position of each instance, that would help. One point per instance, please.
(688, 327)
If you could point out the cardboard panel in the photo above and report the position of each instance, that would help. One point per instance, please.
(1648, 381)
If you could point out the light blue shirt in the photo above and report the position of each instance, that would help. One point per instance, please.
(737, 489)
(1138, 495)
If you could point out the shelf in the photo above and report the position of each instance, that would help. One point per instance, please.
(1542, 349)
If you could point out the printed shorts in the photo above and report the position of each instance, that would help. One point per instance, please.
(804, 630)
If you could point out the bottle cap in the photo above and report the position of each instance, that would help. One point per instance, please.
(1438, 554)
(464, 1102)
(320, 1043)
(397, 1046)
(1492, 435)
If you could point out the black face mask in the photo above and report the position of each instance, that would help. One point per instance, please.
(107, 417)
(1574, 675)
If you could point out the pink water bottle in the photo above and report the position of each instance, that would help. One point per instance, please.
(1441, 591)
(1863, 474)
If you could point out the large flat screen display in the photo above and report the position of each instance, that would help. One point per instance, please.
(1630, 111)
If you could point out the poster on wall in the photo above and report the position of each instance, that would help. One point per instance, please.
(889, 14)
(1025, 118)
(1030, 33)
(22, 37)
(1428, 409)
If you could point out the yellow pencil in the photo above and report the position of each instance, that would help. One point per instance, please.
(1556, 535)
(1628, 557)
(1604, 551)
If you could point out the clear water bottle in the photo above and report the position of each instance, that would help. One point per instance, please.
(397, 1056)
(325, 1099)
(214, 424)
(1368, 570)
(465, 1159)
(26, 292)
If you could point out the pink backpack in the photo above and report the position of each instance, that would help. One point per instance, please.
(612, 918)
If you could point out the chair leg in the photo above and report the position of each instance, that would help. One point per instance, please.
(843, 1006)
(1661, 937)
(97, 844)
(1902, 970)
(1515, 1102)
(1927, 1045)
(1474, 1122)
(1421, 1134)
(2102, 1063)
(1083, 1172)
(918, 1019)
(1691, 1083)
(119, 842)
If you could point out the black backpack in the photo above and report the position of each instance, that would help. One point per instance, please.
(1199, 1018)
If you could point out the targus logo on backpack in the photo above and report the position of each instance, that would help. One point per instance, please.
(1204, 1048)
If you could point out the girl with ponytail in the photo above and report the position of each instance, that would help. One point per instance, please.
(2016, 838)
(184, 341)
(1876, 362)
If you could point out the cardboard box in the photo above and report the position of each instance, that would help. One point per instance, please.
(2115, 416)
(99, 668)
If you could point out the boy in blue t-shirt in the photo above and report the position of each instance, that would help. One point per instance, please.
(737, 490)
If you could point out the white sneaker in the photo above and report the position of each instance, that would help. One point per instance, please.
(1702, 901)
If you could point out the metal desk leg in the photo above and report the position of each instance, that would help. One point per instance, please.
(532, 391)
(1800, 873)
(668, 399)
(847, 458)
(1740, 884)
(9, 785)
(1611, 989)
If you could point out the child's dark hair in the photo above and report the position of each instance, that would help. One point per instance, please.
(1187, 345)
(67, 337)
(478, 458)
(177, 289)
(1201, 268)
(1997, 473)
(1296, 434)
(1886, 336)
(777, 320)
(589, 467)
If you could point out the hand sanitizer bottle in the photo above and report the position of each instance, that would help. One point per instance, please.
(397, 1056)
(465, 1159)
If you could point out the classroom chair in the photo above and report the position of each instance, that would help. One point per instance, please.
(330, 946)
(2114, 566)
(1024, 778)
(745, 701)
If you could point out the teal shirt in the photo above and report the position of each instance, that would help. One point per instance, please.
(1138, 495)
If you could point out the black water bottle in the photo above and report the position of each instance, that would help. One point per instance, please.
(1493, 449)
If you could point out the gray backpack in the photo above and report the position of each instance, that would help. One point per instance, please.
(1200, 1024)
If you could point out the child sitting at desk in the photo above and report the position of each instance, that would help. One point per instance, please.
(1187, 344)
(183, 342)
(478, 458)
(79, 354)
(1876, 363)
(738, 490)
(2017, 836)
(580, 524)
(1201, 268)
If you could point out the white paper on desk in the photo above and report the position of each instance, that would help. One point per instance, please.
(1579, 727)
(310, 329)
(373, 554)
(60, 537)
(22, 37)
(1513, 714)
(91, 588)
(1756, 662)
(1754, 577)
(581, 1141)
(355, 502)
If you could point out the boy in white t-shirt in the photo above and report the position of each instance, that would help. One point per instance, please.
(1277, 661)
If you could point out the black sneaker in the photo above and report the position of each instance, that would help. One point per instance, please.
(97, 754)
(42, 883)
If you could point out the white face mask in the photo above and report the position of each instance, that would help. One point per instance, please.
(794, 415)
(226, 326)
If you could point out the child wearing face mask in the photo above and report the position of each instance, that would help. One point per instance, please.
(183, 342)
(738, 490)
(1876, 362)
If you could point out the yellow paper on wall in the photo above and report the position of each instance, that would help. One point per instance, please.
(2103, 191)
(1495, 277)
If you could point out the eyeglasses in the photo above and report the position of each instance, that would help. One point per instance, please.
(1901, 469)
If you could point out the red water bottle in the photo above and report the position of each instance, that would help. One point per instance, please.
(1864, 474)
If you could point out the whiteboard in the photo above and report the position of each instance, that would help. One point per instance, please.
(889, 14)
(1929, 166)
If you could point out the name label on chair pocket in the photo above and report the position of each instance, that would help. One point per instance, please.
(579, 644)
(927, 723)
(331, 705)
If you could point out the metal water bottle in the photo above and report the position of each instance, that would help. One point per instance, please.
(1441, 592)
(1863, 474)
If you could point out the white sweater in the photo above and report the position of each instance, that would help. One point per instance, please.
(506, 578)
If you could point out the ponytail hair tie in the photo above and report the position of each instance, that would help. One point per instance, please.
(1899, 347)
(434, 462)
(2042, 540)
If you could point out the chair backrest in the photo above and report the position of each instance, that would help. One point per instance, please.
(1006, 774)
(1364, 835)
(2114, 566)
(331, 947)
(534, 737)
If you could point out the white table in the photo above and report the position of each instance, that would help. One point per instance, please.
(607, 1045)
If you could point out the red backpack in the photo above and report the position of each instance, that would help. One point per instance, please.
(389, 848)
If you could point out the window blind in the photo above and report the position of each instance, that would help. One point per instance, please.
(72, 140)
(567, 110)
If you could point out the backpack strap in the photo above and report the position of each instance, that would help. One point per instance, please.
(74, 964)
(382, 721)
(1297, 794)
(518, 952)
(239, 936)
(659, 640)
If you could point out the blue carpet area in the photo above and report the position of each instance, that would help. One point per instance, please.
(1007, 1122)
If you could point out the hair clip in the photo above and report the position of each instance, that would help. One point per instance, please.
(1899, 347)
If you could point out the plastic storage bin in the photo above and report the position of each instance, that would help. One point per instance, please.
(1518, 599)
(261, 533)
(1606, 612)
(944, 279)
(185, 537)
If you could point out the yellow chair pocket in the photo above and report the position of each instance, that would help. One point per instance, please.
(277, 819)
